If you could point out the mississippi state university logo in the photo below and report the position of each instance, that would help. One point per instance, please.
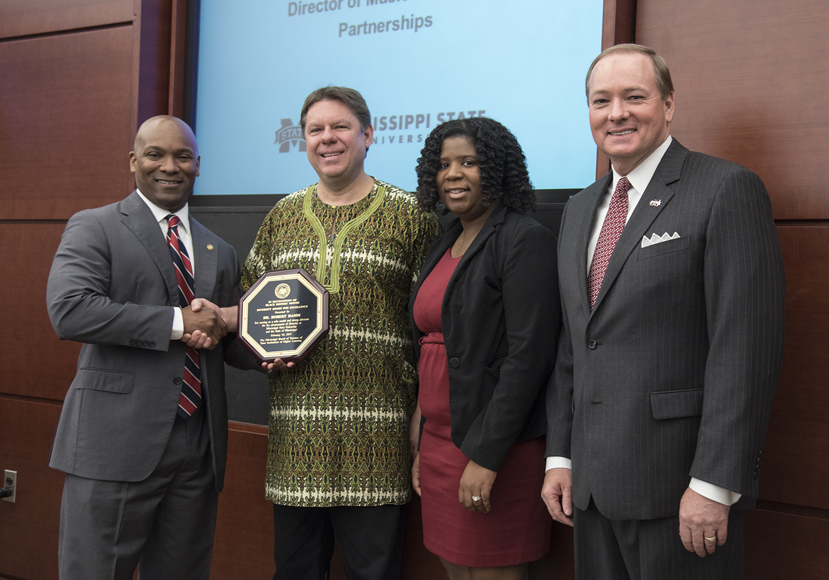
(289, 136)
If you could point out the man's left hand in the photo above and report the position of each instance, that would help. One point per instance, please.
(703, 523)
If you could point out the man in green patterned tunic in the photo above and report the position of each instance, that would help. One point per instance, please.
(339, 452)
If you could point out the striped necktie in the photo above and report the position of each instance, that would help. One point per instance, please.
(614, 223)
(190, 398)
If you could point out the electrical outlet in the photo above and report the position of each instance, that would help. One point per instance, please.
(10, 480)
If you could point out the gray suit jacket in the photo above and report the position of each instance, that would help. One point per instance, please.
(672, 374)
(112, 287)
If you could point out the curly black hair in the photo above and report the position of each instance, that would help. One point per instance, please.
(504, 176)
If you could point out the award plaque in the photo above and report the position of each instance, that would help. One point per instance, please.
(284, 315)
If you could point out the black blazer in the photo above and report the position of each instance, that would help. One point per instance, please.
(500, 317)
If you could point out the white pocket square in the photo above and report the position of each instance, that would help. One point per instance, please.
(657, 239)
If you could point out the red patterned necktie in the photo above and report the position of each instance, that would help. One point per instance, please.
(614, 223)
(190, 398)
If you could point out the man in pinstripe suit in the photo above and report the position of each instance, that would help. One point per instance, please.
(660, 400)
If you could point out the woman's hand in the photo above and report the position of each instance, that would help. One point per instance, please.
(476, 485)
(414, 431)
(416, 474)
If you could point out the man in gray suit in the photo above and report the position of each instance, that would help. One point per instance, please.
(672, 293)
(143, 440)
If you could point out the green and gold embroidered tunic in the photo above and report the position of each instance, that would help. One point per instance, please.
(339, 419)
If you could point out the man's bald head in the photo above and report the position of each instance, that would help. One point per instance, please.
(148, 126)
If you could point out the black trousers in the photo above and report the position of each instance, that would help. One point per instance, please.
(371, 541)
(650, 550)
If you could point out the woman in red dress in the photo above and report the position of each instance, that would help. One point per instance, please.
(486, 318)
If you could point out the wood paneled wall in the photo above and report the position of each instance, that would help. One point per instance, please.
(77, 77)
(750, 78)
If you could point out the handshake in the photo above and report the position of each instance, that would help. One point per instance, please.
(205, 324)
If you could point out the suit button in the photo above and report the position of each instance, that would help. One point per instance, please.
(177, 381)
(454, 363)
(592, 344)
(132, 342)
(151, 344)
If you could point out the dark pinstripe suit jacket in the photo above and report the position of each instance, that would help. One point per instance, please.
(672, 374)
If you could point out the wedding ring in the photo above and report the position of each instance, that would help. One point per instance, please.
(476, 498)
(710, 539)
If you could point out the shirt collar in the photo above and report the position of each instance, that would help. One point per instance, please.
(161, 214)
(641, 176)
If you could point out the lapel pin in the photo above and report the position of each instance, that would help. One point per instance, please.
(655, 202)
(209, 246)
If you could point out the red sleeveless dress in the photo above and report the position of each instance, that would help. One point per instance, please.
(517, 528)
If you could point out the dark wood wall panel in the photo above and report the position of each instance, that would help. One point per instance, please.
(751, 80)
(30, 344)
(29, 527)
(618, 22)
(243, 545)
(26, 17)
(795, 467)
(65, 147)
(153, 50)
(785, 546)
(69, 97)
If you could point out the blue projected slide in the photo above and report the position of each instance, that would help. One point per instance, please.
(416, 62)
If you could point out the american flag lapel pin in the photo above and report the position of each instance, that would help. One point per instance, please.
(655, 202)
